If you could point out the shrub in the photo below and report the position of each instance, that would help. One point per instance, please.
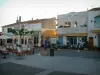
(94, 47)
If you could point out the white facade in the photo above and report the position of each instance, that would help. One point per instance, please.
(35, 27)
(80, 17)
(5, 29)
(92, 26)
(72, 24)
(29, 27)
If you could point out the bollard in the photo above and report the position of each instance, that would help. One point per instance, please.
(52, 52)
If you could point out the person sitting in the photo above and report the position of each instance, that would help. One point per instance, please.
(5, 52)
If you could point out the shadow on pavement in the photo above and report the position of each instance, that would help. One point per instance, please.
(63, 73)
(16, 69)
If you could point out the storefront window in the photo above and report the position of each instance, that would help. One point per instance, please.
(84, 39)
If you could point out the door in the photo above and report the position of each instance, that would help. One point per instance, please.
(90, 42)
(60, 40)
(98, 40)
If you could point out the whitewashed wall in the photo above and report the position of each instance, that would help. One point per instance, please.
(80, 17)
(91, 26)
(35, 27)
(4, 29)
(91, 16)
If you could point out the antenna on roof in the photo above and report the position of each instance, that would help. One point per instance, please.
(87, 9)
(32, 18)
(17, 20)
(91, 6)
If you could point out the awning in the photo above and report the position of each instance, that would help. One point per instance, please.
(9, 34)
(49, 33)
(75, 34)
(95, 31)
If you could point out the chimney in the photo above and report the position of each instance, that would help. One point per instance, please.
(19, 18)
(32, 18)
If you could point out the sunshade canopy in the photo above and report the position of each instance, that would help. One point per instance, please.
(49, 33)
(4, 37)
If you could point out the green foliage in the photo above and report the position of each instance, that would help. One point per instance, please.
(21, 32)
(14, 31)
(94, 47)
(31, 32)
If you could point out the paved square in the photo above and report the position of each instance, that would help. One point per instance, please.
(63, 73)
(16, 69)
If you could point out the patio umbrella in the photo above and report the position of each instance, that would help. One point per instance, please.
(9, 34)
(4, 37)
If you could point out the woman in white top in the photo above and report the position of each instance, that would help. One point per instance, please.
(4, 52)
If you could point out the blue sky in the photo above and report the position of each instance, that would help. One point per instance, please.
(2, 2)
(10, 9)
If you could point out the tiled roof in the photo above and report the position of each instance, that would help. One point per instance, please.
(95, 9)
(29, 22)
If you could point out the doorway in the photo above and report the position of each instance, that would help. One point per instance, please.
(98, 40)
(72, 40)
(90, 42)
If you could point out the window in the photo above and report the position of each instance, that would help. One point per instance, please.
(15, 40)
(22, 41)
(25, 41)
(67, 24)
(2, 29)
(75, 24)
(84, 39)
(35, 40)
(61, 26)
(97, 21)
(9, 30)
(9, 40)
(94, 21)
(0, 41)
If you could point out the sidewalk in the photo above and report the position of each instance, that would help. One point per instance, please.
(63, 64)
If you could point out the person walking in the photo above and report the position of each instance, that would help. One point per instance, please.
(79, 46)
(45, 44)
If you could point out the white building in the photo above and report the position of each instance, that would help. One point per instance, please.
(38, 26)
(72, 27)
(94, 27)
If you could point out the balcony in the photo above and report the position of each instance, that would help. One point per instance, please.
(72, 30)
